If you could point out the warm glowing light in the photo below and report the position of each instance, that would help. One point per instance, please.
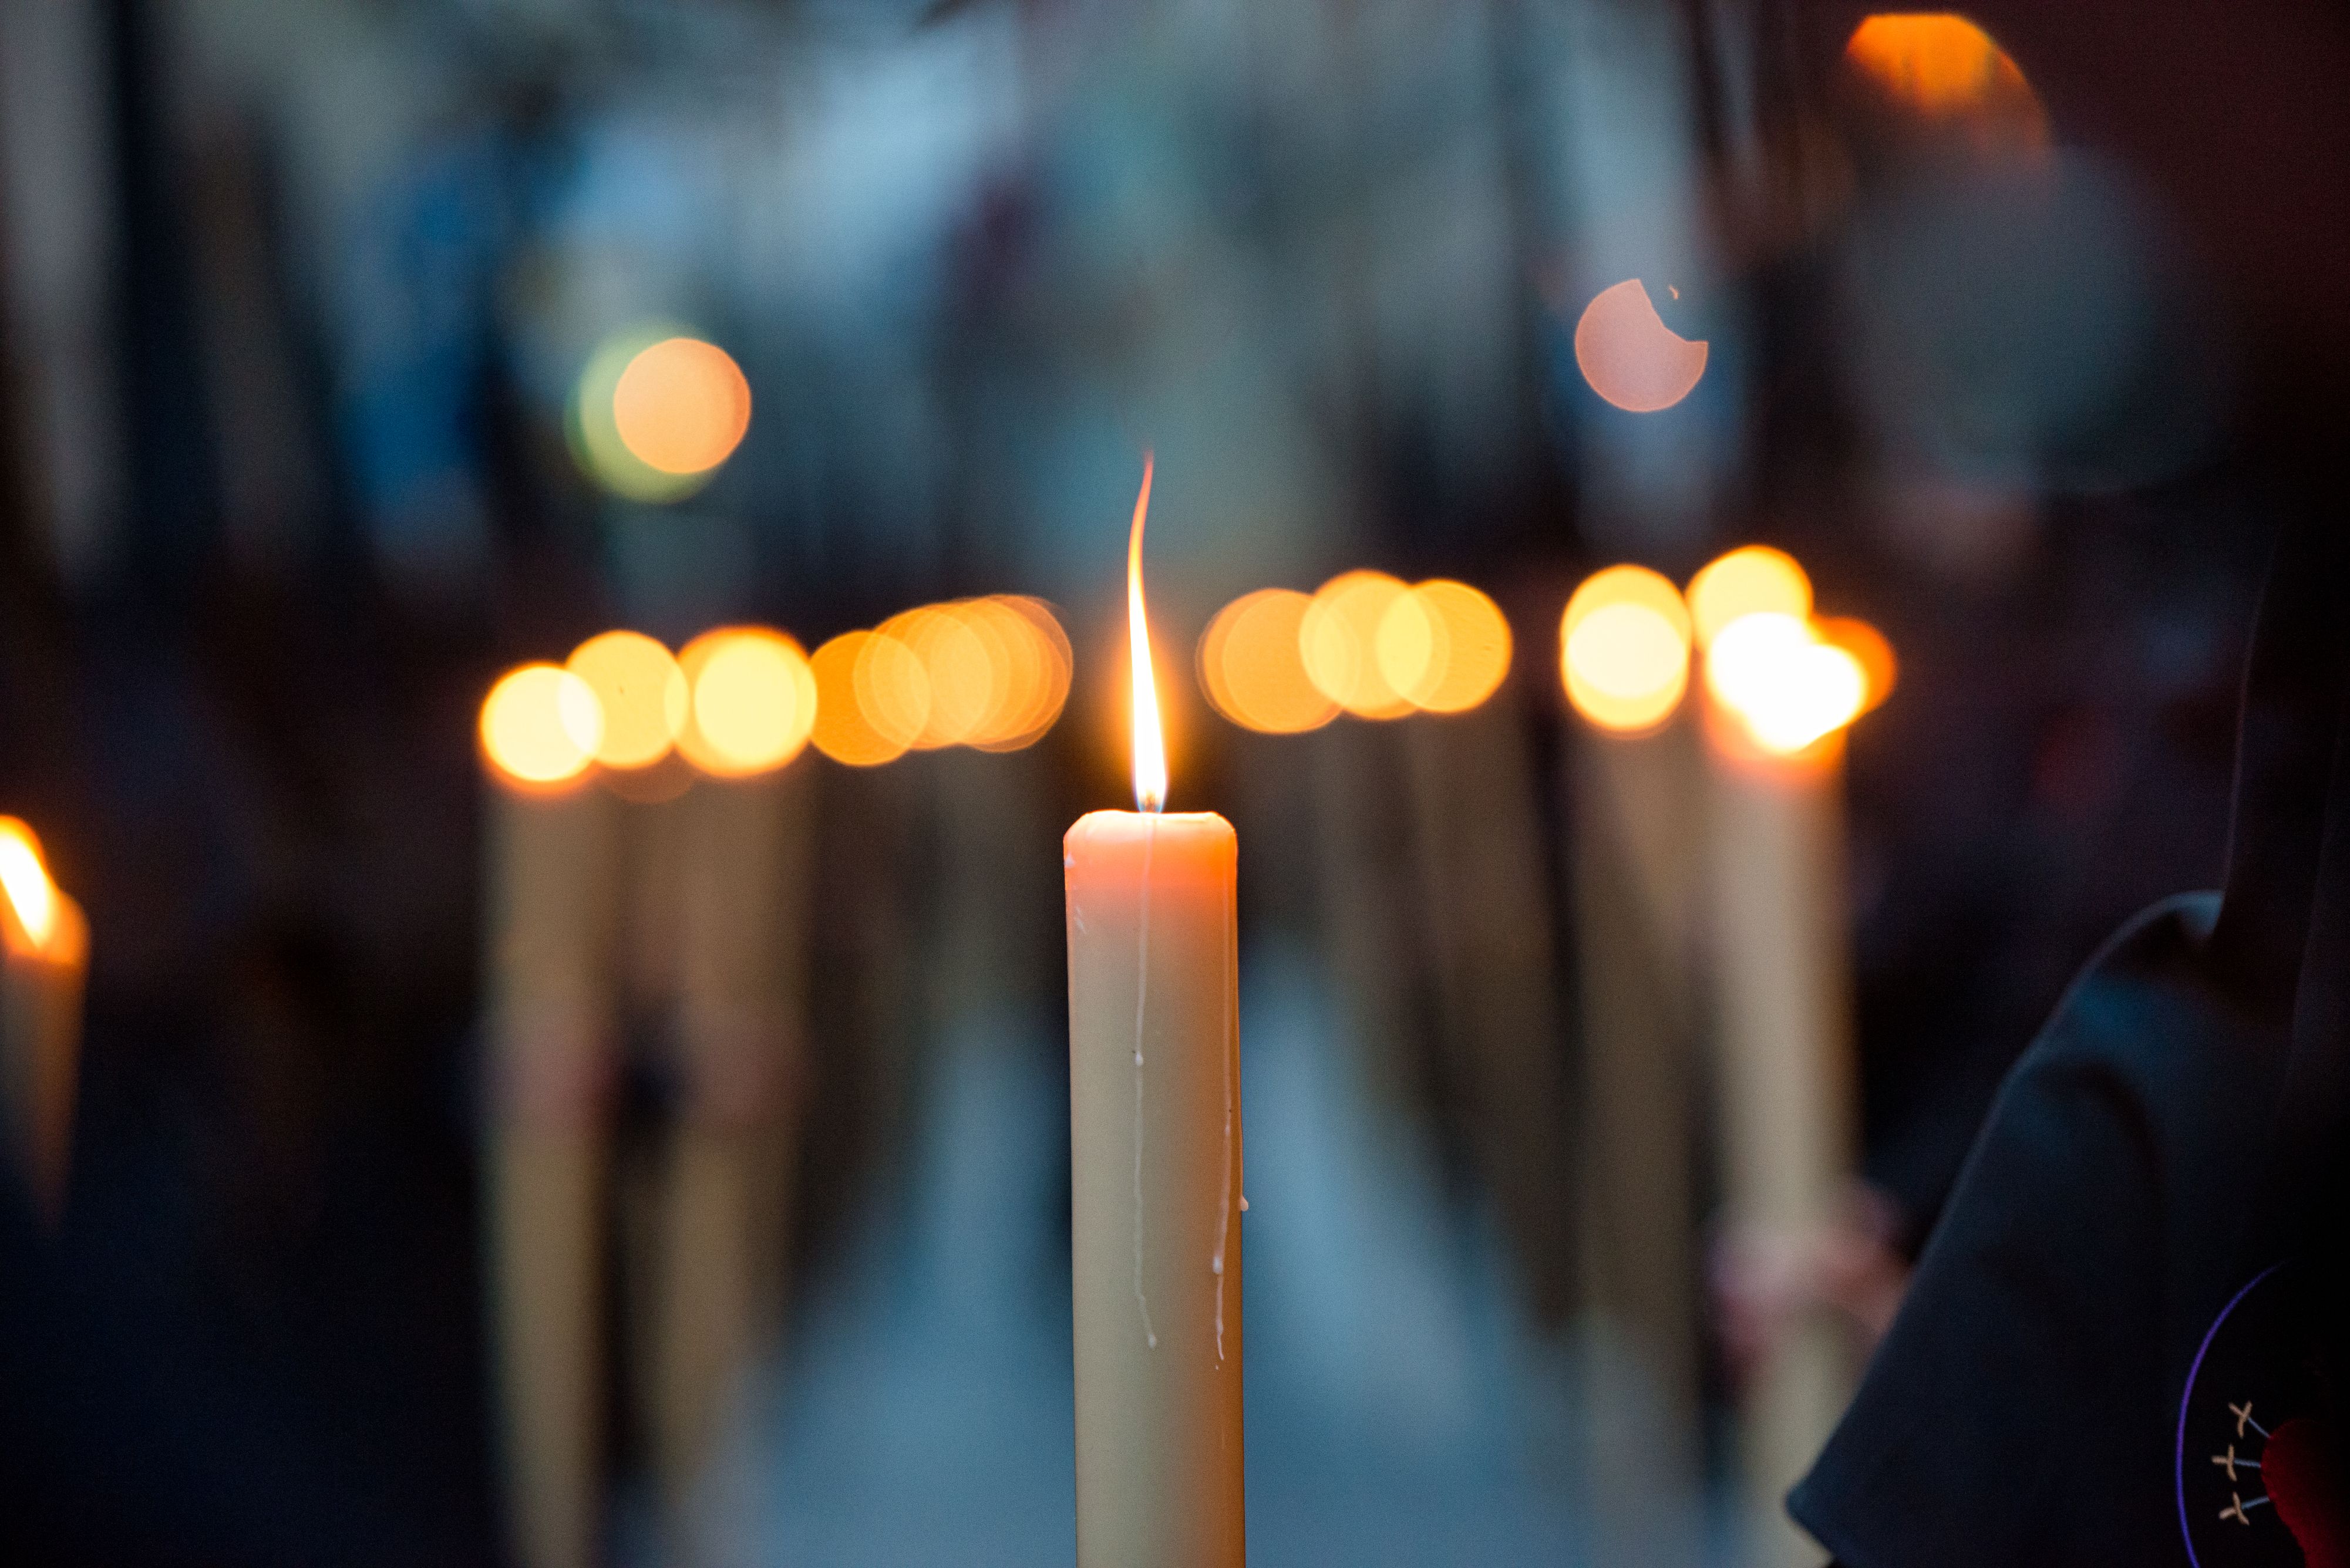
(1945, 68)
(892, 690)
(643, 694)
(541, 724)
(1035, 669)
(1752, 580)
(682, 406)
(1624, 649)
(592, 423)
(844, 730)
(1869, 648)
(991, 673)
(960, 674)
(1251, 669)
(1443, 646)
(1149, 742)
(1629, 356)
(1338, 640)
(755, 701)
(1789, 689)
(25, 882)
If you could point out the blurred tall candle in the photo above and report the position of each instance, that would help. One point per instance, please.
(1780, 696)
(1633, 782)
(1155, 1158)
(44, 960)
(744, 847)
(552, 855)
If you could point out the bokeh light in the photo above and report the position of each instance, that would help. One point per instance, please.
(1629, 356)
(755, 701)
(960, 676)
(1754, 579)
(894, 688)
(1252, 671)
(1037, 670)
(1788, 688)
(1944, 68)
(541, 724)
(843, 731)
(642, 692)
(24, 882)
(1624, 649)
(682, 406)
(1337, 640)
(991, 673)
(1869, 648)
(1444, 646)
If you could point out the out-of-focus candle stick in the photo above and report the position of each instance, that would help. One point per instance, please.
(552, 851)
(745, 841)
(1779, 697)
(1633, 782)
(43, 963)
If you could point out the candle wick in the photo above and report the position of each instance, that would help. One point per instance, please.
(1141, 997)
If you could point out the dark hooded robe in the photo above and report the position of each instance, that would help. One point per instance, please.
(2175, 1134)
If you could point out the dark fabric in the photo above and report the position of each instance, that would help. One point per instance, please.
(2178, 1126)
(2020, 1411)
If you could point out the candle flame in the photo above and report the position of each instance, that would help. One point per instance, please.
(24, 881)
(1150, 744)
(1790, 688)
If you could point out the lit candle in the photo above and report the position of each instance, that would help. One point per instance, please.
(742, 847)
(44, 959)
(1633, 780)
(553, 851)
(1780, 696)
(1155, 1158)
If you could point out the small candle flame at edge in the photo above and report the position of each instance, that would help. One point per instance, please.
(24, 881)
(1149, 744)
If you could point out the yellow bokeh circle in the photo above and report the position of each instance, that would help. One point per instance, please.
(755, 701)
(1338, 639)
(1754, 579)
(541, 724)
(1624, 649)
(641, 690)
(1253, 668)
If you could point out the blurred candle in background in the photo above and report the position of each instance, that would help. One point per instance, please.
(1637, 806)
(552, 862)
(744, 845)
(1155, 1159)
(1779, 696)
(43, 963)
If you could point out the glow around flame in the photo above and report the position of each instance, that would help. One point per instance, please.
(1149, 744)
(1790, 688)
(24, 881)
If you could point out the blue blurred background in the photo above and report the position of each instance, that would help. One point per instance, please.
(2022, 356)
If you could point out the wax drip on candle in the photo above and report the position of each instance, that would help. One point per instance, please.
(1142, 996)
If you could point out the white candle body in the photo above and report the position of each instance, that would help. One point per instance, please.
(1155, 1157)
(1787, 1087)
(1639, 809)
(551, 952)
(743, 849)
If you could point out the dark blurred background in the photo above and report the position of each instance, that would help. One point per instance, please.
(293, 296)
